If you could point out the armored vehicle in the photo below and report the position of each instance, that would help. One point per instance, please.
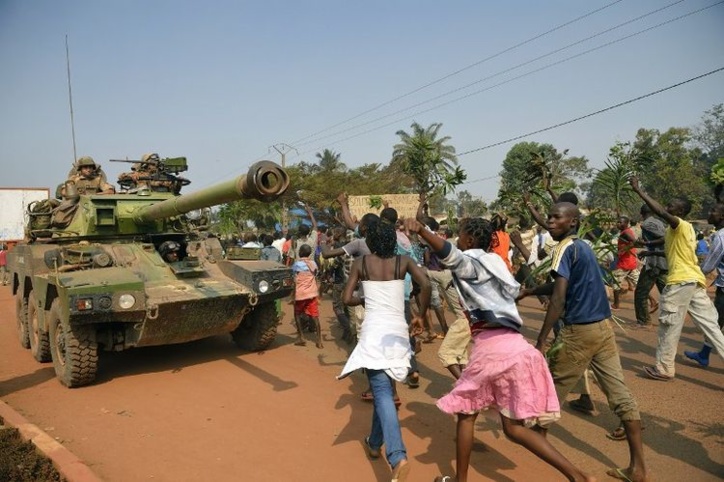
(94, 278)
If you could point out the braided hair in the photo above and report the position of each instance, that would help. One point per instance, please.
(381, 238)
(482, 231)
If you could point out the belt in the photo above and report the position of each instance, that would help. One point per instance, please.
(584, 323)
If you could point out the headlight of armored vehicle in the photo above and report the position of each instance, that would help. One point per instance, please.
(263, 286)
(126, 301)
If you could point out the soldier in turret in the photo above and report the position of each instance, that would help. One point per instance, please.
(87, 178)
(147, 174)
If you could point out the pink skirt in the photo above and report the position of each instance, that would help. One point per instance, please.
(507, 374)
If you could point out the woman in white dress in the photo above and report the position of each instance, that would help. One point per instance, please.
(384, 349)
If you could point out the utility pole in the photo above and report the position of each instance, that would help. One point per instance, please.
(282, 149)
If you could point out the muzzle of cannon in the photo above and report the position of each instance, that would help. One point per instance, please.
(265, 181)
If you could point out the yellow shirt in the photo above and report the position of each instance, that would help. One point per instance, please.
(680, 246)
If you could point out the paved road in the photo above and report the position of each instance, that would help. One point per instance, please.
(207, 411)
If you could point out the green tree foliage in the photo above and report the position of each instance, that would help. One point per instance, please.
(610, 188)
(233, 218)
(428, 160)
(329, 161)
(709, 134)
(468, 206)
(524, 169)
(671, 166)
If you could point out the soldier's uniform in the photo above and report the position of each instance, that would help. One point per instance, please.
(145, 174)
(92, 183)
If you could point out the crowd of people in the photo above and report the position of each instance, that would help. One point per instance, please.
(387, 276)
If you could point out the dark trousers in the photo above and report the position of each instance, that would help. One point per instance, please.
(647, 279)
(340, 310)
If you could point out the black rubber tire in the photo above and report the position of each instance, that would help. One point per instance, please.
(258, 328)
(21, 319)
(74, 350)
(39, 346)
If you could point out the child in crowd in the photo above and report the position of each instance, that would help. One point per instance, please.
(306, 294)
(505, 372)
(269, 252)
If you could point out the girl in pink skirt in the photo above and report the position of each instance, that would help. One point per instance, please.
(505, 372)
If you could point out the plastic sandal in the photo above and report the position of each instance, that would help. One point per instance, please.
(655, 374)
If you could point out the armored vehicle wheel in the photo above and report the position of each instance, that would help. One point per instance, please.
(258, 328)
(74, 350)
(21, 319)
(38, 338)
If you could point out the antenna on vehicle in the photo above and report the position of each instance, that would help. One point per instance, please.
(70, 98)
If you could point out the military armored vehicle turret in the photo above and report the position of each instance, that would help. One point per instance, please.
(98, 280)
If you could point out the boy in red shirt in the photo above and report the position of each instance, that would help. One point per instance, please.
(306, 293)
(627, 266)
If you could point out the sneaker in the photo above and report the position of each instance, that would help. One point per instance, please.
(697, 357)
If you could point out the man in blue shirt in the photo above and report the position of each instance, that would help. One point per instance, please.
(578, 297)
(714, 260)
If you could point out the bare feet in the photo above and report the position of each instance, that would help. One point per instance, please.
(319, 344)
(300, 342)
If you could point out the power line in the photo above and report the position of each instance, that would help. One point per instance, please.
(238, 169)
(545, 67)
(576, 119)
(497, 74)
(447, 76)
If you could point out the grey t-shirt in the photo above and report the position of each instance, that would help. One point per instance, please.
(653, 228)
(356, 249)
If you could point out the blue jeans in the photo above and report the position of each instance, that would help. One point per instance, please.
(385, 424)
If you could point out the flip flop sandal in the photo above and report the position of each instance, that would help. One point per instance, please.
(619, 474)
(373, 453)
(400, 473)
(413, 381)
(655, 374)
(443, 478)
(618, 434)
(367, 396)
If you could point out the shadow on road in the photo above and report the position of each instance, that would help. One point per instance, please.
(174, 358)
(26, 381)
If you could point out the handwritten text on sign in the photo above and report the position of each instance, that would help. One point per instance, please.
(404, 204)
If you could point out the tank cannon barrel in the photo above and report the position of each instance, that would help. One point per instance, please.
(265, 181)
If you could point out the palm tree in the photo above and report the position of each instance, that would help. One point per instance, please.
(330, 161)
(429, 160)
(613, 184)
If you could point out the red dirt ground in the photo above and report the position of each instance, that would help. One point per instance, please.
(208, 411)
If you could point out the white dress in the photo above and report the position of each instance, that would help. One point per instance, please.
(384, 341)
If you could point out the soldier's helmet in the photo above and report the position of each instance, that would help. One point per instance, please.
(151, 158)
(169, 247)
(86, 161)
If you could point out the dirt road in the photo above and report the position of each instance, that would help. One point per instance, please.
(207, 411)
